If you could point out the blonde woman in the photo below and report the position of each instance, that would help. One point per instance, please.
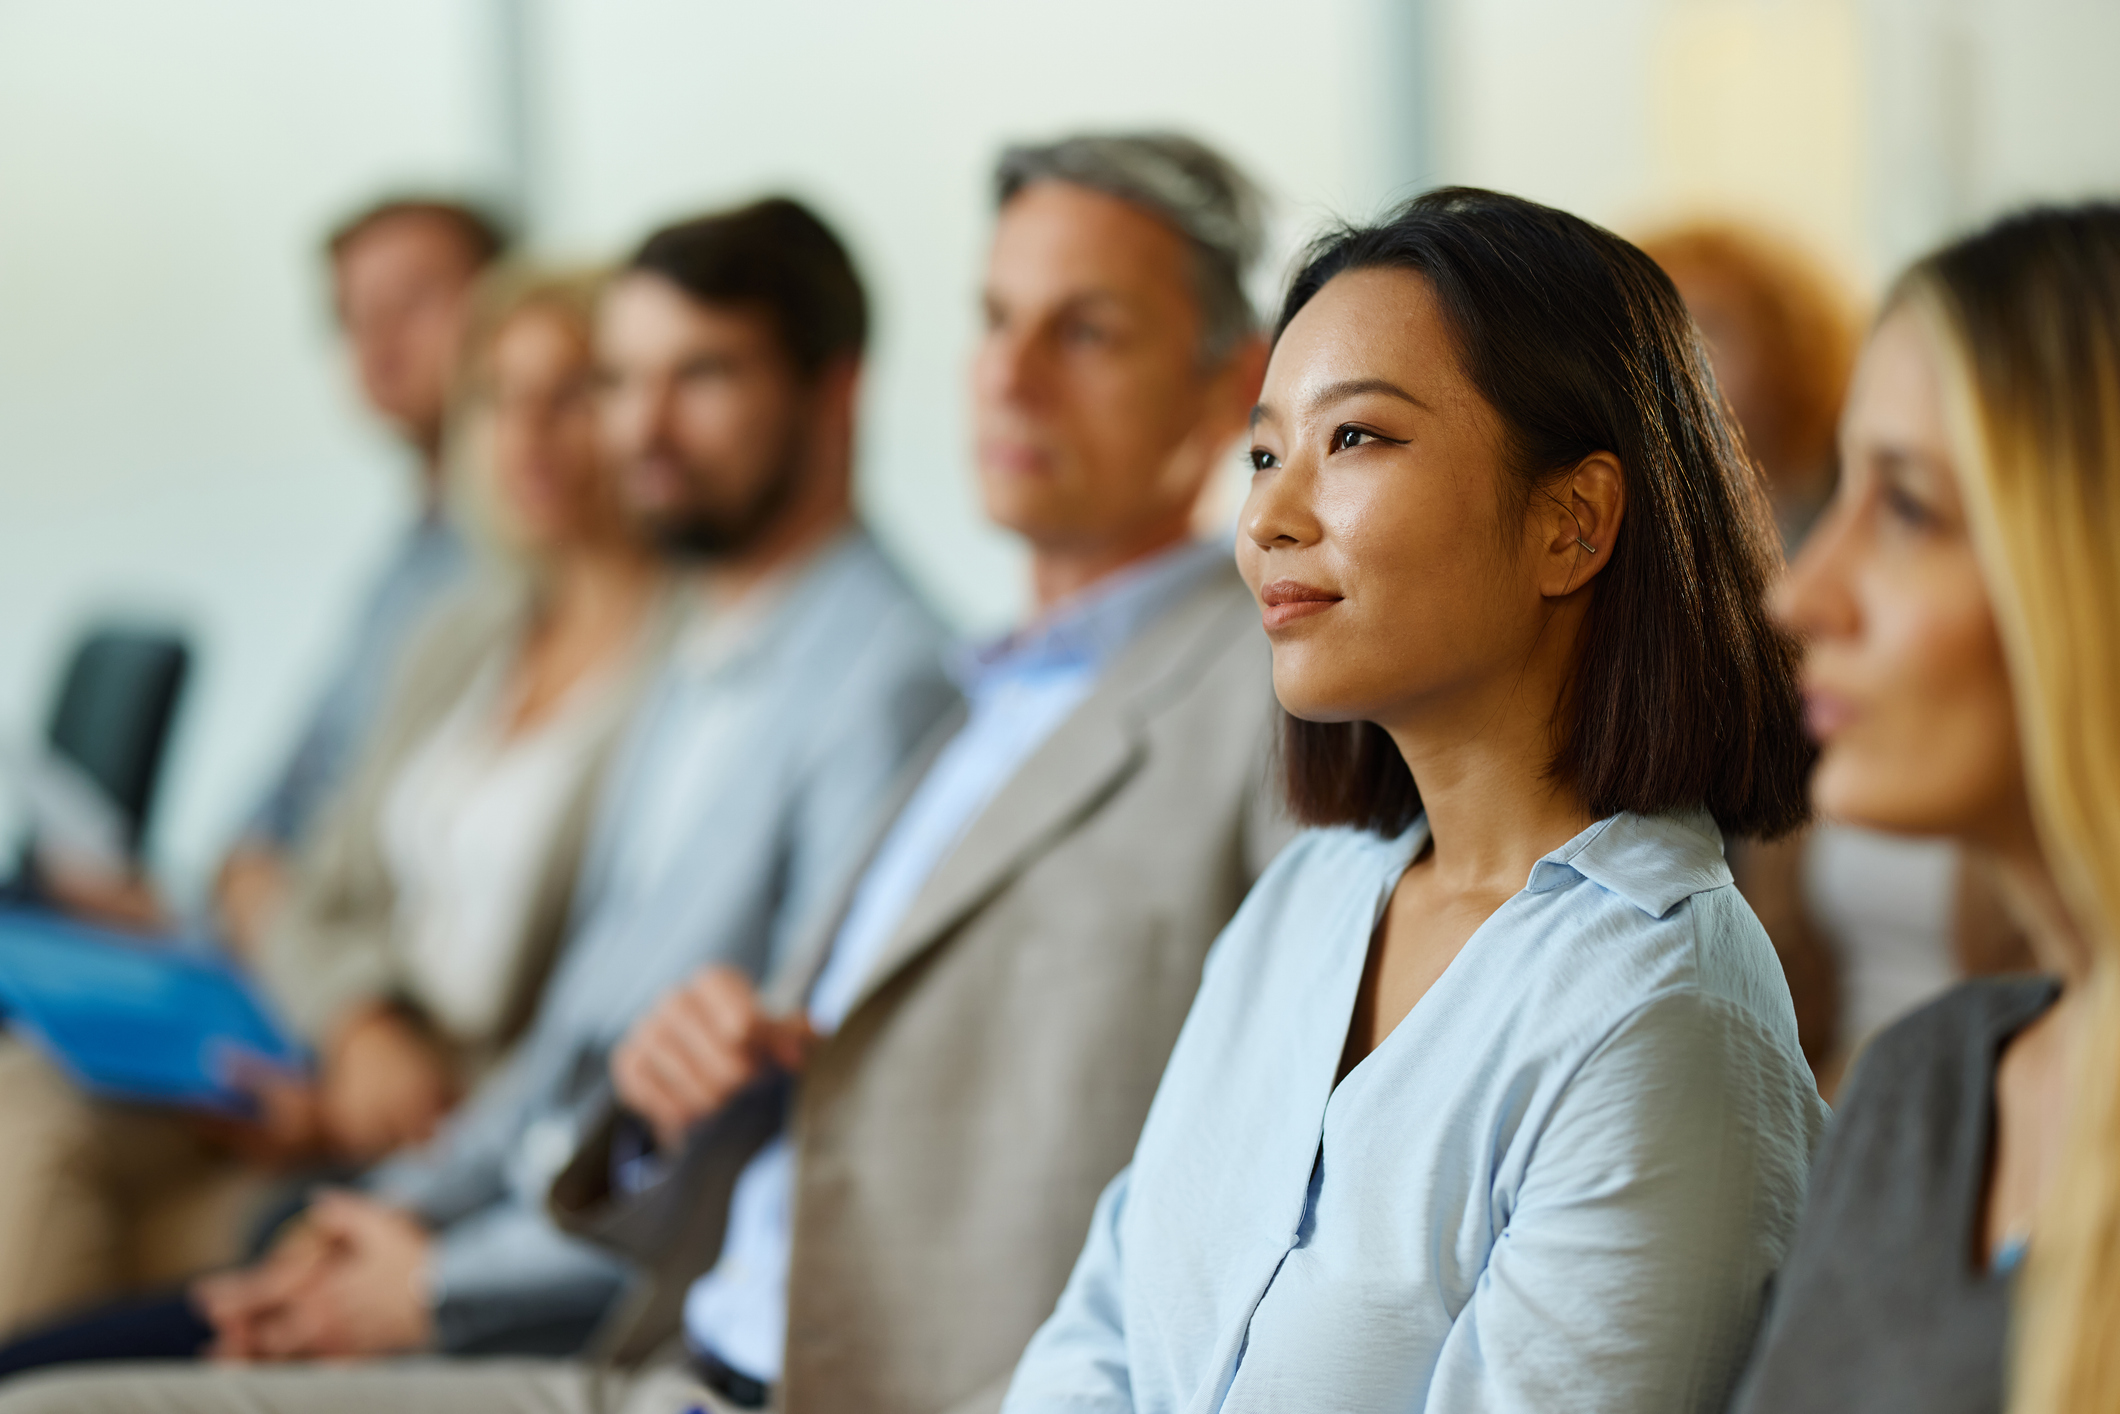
(1962, 605)
(426, 913)
(1869, 926)
(428, 906)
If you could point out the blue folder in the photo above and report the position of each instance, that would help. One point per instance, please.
(153, 1021)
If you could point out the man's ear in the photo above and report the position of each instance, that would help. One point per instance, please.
(1232, 392)
(1243, 374)
(1580, 524)
(834, 399)
(840, 382)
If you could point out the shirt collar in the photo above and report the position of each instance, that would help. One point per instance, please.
(1087, 630)
(1652, 861)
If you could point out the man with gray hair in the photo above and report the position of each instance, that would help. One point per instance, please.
(862, 1186)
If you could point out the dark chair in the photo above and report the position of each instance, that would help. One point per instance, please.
(111, 722)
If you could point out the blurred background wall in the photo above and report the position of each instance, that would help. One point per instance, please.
(177, 441)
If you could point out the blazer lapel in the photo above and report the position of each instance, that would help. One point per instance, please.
(1088, 758)
(788, 988)
(1065, 781)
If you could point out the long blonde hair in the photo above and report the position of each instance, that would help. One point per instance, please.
(2027, 314)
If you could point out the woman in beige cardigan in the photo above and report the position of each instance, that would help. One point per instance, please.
(428, 908)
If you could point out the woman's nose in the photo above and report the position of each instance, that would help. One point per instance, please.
(1277, 513)
(1816, 595)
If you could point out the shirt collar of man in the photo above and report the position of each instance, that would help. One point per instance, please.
(1088, 630)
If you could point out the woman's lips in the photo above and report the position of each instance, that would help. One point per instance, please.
(1825, 715)
(1014, 458)
(1284, 601)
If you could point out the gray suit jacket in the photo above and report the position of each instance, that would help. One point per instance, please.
(953, 1135)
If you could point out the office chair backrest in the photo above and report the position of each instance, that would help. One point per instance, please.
(116, 705)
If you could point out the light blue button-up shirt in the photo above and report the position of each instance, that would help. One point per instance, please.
(1017, 692)
(1560, 1183)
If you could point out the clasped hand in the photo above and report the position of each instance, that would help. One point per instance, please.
(349, 1279)
(700, 1046)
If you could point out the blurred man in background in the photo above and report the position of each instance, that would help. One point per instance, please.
(865, 1188)
(402, 275)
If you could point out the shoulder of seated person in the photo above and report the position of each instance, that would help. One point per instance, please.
(1932, 1045)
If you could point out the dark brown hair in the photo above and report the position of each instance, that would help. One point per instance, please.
(484, 238)
(1684, 694)
(774, 255)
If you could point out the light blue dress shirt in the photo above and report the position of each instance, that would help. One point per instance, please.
(1017, 692)
(1560, 1183)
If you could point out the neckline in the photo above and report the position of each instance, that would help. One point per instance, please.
(1976, 1163)
(1410, 846)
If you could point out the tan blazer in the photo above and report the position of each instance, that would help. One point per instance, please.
(335, 944)
(954, 1134)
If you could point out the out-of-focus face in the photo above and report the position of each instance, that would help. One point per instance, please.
(1905, 685)
(1729, 323)
(1089, 398)
(543, 460)
(702, 413)
(1392, 570)
(403, 289)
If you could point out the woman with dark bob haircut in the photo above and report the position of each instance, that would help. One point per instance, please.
(1491, 1097)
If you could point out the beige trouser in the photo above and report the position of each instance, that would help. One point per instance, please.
(97, 1199)
(402, 1387)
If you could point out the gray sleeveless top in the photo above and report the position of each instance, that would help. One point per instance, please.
(1885, 1303)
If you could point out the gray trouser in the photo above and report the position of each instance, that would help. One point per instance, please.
(394, 1387)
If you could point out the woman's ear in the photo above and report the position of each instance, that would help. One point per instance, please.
(1582, 524)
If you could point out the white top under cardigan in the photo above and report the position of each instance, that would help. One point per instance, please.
(1561, 1183)
(466, 825)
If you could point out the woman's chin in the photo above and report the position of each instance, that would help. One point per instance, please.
(1304, 702)
(1844, 793)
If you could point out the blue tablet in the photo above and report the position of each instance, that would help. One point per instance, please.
(146, 1020)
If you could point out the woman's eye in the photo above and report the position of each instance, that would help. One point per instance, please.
(1263, 460)
(1905, 508)
(1345, 438)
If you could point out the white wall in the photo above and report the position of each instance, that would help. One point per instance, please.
(176, 440)
(1867, 129)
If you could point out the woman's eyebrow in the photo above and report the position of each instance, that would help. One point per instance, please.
(1350, 388)
(1355, 387)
